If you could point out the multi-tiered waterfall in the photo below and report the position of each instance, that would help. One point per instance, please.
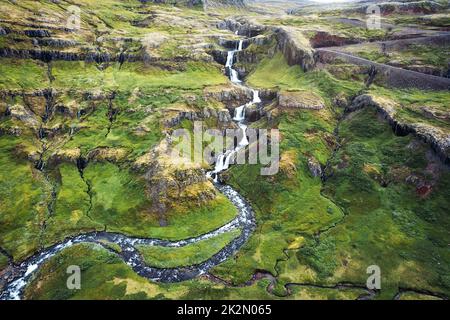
(223, 160)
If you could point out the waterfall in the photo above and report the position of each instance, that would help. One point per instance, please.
(244, 141)
(230, 58)
(256, 98)
(219, 163)
(234, 77)
(239, 113)
(223, 160)
(226, 165)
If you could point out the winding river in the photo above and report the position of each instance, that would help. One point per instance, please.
(245, 221)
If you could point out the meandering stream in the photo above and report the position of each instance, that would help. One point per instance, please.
(245, 221)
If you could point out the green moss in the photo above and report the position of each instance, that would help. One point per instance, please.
(22, 74)
(315, 293)
(412, 102)
(83, 75)
(105, 276)
(387, 223)
(72, 207)
(417, 296)
(293, 207)
(3, 261)
(276, 73)
(317, 255)
(119, 202)
(167, 257)
(24, 193)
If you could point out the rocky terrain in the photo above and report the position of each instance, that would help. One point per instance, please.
(92, 92)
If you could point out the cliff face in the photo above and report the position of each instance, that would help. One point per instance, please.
(295, 47)
(436, 137)
(173, 180)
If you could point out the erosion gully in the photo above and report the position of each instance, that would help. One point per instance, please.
(245, 221)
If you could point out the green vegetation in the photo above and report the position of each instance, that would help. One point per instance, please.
(82, 75)
(72, 207)
(24, 192)
(316, 293)
(22, 74)
(168, 257)
(120, 203)
(387, 222)
(3, 261)
(276, 73)
(343, 30)
(105, 276)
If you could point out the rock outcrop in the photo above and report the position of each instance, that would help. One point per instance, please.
(243, 27)
(324, 39)
(300, 100)
(222, 117)
(231, 96)
(435, 137)
(173, 180)
(295, 47)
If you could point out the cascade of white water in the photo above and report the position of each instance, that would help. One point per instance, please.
(219, 163)
(230, 58)
(256, 98)
(223, 160)
(234, 77)
(244, 141)
(239, 113)
(226, 164)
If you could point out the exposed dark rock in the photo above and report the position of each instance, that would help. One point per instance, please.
(232, 97)
(37, 33)
(55, 42)
(324, 39)
(253, 113)
(412, 7)
(242, 27)
(295, 48)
